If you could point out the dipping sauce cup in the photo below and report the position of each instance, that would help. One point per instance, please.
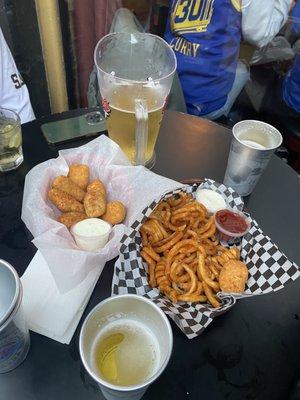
(91, 234)
(212, 201)
(231, 224)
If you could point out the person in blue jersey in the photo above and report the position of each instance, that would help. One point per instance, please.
(206, 37)
(291, 82)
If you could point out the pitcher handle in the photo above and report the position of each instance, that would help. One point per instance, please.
(141, 131)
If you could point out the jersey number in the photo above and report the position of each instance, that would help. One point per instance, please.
(17, 81)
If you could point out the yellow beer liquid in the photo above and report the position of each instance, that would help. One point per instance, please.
(125, 354)
(10, 142)
(121, 121)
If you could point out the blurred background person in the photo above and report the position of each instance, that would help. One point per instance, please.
(284, 91)
(206, 37)
(13, 91)
(291, 82)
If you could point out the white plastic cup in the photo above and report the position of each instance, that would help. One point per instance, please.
(91, 234)
(125, 306)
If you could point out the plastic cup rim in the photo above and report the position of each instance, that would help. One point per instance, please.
(260, 123)
(18, 119)
(16, 301)
(143, 82)
(96, 236)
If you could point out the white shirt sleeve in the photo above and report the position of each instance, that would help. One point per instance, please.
(13, 92)
(263, 19)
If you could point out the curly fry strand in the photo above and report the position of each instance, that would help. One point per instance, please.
(204, 275)
(210, 296)
(151, 266)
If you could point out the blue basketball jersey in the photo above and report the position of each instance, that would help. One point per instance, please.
(291, 86)
(295, 18)
(291, 82)
(205, 35)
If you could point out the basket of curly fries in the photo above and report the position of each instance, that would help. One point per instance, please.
(174, 255)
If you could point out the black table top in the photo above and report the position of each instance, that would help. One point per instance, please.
(252, 352)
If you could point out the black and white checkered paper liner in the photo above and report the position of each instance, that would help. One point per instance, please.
(269, 269)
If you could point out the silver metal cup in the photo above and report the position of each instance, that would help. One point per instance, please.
(125, 306)
(14, 334)
(252, 146)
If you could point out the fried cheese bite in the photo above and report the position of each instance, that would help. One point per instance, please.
(233, 277)
(79, 174)
(96, 187)
(94, 205)
(115, 212)
(64, 183)
(64, 201)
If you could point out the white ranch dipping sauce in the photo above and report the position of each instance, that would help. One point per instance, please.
(213, 201)
(91, 234)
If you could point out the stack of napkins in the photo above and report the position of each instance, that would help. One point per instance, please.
(47, 311)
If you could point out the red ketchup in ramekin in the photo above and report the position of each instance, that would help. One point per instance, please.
(231, 224)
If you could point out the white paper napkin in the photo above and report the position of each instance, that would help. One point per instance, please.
(48, 312)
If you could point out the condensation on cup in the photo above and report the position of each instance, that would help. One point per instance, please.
(252, 146)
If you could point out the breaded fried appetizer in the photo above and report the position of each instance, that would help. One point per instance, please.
(96, 188)
(94, 205)
(64, 201)
(64, 183)
(115, 212)
(233, 277)
(79, 174)
(71, 218)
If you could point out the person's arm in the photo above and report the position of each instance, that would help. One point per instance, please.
(263, 19)
(13, 92)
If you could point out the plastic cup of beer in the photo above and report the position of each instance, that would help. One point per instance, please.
(253, 143)
(135, 73)
(125, 344)
(11, 154)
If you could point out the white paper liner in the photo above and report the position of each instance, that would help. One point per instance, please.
(135, 187)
